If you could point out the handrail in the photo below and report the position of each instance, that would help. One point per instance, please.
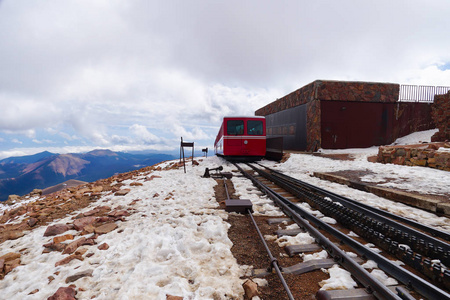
(420, 93)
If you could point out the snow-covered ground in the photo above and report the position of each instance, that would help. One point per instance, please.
(176, 242)
(417, 179)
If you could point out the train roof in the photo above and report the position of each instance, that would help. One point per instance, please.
(245, 117)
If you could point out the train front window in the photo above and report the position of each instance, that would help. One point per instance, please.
(255, 127)
(235, 127)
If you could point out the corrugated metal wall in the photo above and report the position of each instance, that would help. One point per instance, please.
(291, 125)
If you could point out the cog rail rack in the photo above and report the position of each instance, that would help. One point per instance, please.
(415, 248)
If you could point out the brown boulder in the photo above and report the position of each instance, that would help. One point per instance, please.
(103, 246)
(32, 221)
(56, 229)
(10, 265)
(12, 198)
(171, 297)
(119, 213)
(97, 189)
(62, 238)
(10, 256)
(79, 224)
(14, 234)
(79, 275)
(64, 293)
(108, 227)
(97, 210)
(54, 247)
(251, 289)
(122, 192)
(36, 192)
(68, 259)
(74, 245)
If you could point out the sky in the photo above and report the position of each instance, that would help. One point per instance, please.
(138, 75)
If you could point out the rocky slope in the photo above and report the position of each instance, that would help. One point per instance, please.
(20, 175)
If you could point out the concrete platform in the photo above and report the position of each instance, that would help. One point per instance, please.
(420, 201)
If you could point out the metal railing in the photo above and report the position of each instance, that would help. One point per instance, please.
(420, 93)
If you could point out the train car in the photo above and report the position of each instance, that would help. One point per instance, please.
(241, 138)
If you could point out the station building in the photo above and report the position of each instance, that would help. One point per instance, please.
(348, 114)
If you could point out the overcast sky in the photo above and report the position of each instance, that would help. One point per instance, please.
(134, 75)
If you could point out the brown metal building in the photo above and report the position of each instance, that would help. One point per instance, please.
(344, 114)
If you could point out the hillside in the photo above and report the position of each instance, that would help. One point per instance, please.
(20, 175)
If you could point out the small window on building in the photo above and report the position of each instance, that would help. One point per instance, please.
(255, 127)
(235, 127)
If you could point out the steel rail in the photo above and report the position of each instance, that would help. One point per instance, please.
(402, 275)
(273, 260)
(421, 242)
(375, 212)
(372, 285)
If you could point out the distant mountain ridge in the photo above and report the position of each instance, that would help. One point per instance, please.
(20, 175)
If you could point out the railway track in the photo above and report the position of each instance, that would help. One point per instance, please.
(424, 250)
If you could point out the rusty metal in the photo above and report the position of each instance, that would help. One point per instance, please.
(273, 260)
(207, 173)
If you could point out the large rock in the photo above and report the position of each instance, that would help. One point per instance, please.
(56, 229)
(10, 265)
(103, 246)
(74, 245)
(79, 275)
(122, 192)
(12, 198)
(62, 238)
(251, 289)
(36, 192)
(14, 234)
(105, 228)
(119, 213)
(80, 223)
(64, 293)
(68, 259)
(10, 256)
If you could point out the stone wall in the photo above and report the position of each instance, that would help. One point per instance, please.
(441, 117)
(357, 91)
(313, 128)
(434, 155)
(324, 90)
(296, 98)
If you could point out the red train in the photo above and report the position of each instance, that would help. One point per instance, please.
(241, 138)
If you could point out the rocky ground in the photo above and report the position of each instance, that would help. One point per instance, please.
(33, 211)
(249, 250)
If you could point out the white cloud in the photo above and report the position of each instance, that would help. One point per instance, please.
(189, 135)
(143, 135)
(43, 141)
(112, 73)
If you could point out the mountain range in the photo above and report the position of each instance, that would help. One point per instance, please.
(20, 175)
